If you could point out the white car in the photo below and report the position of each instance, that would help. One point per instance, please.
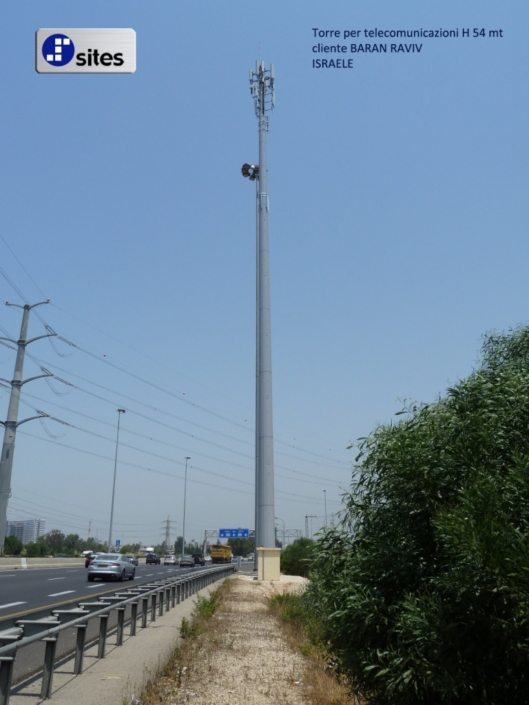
(111, 565)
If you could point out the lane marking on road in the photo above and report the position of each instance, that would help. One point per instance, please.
(63, 578)
(91, 587)
(11, 604)
(12, 575)
(149, 574)
(56, 594)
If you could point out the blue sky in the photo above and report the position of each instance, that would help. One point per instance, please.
(398, 236)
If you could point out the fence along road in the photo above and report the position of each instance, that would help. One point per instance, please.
(139, 603)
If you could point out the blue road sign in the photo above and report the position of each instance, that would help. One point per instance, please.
(234, 533)
(118, 543)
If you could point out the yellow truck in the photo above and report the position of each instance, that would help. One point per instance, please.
(221, 554)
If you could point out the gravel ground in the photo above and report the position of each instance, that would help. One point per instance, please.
(242, 658)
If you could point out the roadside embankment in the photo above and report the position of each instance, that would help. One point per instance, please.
(242, 656)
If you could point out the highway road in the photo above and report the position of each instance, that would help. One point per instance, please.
(32, 593)
(22, 591)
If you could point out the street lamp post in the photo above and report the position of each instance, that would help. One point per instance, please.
(120, 411)
(184, 521)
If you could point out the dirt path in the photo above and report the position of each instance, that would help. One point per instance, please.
(241, 659)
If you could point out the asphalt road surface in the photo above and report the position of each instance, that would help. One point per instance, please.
(22, 591)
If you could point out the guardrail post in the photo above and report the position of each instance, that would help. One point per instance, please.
(121, 624)
(173, 595)
(144, 611)
(178, 593)
(6, 676)
(103, 621)
(160, 601)
(49, 660)
(153, 607)
(79, 649)
(133, 617)
(168, 598)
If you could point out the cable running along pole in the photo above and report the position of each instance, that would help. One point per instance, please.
(12, 423)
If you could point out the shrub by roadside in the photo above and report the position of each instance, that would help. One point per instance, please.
(425, 585)
(296, 558)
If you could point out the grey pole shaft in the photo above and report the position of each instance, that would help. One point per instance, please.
(113, 488)
(10, 427)
(265, 485)
(256, 523)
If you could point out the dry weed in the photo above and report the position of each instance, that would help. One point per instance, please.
(320, 683)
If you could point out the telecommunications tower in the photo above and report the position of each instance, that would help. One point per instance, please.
(262, 87)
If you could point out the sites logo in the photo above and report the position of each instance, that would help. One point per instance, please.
(58, 50)
(85, 50)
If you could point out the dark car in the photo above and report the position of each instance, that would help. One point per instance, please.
(187, 561)
(199, 559)
(89, 557)
(153, 558)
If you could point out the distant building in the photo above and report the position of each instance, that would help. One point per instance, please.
(27, 530)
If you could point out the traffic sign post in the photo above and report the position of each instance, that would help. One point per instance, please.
(118, 543)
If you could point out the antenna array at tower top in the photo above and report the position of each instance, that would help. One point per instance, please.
(262, 88)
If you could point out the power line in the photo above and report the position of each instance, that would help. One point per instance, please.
(290, 495)
(181, 448)
(163, 412)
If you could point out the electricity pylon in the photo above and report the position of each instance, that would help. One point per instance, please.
(12, 423)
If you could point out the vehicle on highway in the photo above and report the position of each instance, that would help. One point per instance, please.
(170, 560)
(220, 553)
(132, 558)
(111, 565)
(88, 558)
(199, 559)
(187, 561)
(207, 559)
(152, 558)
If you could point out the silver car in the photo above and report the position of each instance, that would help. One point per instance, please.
(111, 565)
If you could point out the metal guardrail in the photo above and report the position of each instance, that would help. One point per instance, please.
(153, 596)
